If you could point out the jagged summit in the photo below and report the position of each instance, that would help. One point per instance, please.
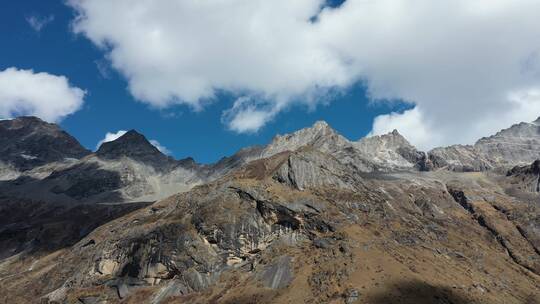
(27, 120)
(29, 123)
(391, 151)
(320, 136)
(320, 124)
(517, 145)
(319, 128)
(133, 145)
(27, 142)
(393, 138)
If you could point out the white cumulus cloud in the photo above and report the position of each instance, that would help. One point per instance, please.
(112, 136)
(249, 114)
(25, 92)
(469, 67)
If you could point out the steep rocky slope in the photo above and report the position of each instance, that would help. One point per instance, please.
(517, 145)
(392, 152)
(135, 146)
(28, 142)
(300, 227)
(310, 218)
(129, 168)
(385, 153)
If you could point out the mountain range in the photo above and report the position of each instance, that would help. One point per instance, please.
(310, 217)
(130, 168)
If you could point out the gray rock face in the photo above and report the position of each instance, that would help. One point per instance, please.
(320, 137)
(526, 177)
(29, 142)
(391, 151)
(240, 158)
(517, 145)
(173, 288)
(313, 169)
(378, 153)
(385, 153)
(278, 274)
(198, 243)
(135, 146)
(460, 158)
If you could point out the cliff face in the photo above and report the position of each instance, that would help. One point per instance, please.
(310, 218)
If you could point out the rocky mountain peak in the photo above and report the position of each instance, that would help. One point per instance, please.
(29, 123)
(25, 121)
(395, 138)
(321, 124)
(392, 140)
(27, 142)
(391, 151)
(320, 136)
(132, 145)
(517, 145)
(134, 138)
(318, 129)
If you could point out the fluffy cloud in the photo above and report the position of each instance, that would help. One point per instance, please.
(37, 23)
(249, 114)
(50, 97)
(114, 136)
(470, 67)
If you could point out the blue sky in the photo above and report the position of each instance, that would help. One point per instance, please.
(207, 78)
(109, 107)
